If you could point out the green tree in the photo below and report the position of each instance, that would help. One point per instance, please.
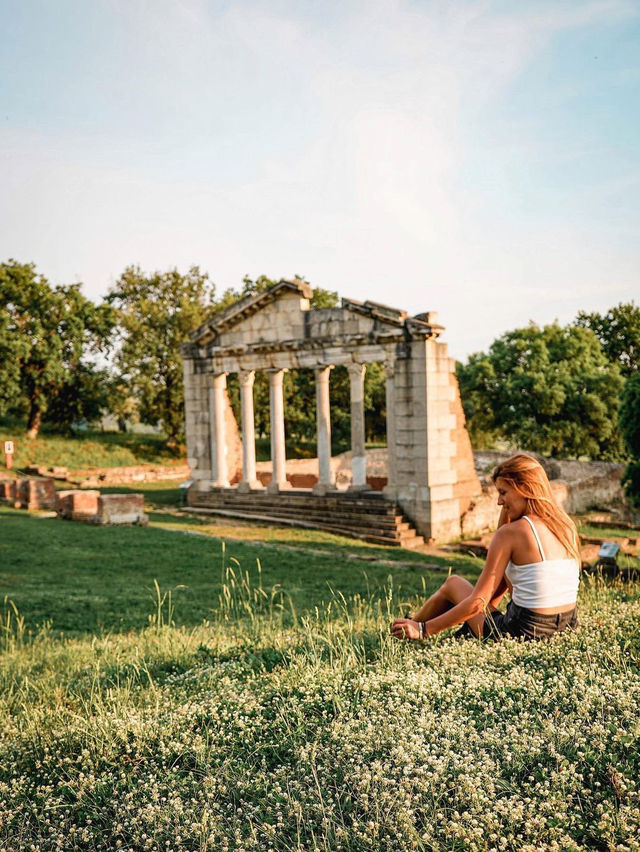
(619, 333)
(84, 397)
(630, 428)
(477, 381)
(47, 336)
(155, 314)
(551, 390)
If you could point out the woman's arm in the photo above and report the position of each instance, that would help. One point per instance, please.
(490, 586)
(499, 593)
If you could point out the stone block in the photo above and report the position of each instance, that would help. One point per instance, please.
(35, 494)
(481, 516)
(121, 509)
(77, 505)
(7, 490)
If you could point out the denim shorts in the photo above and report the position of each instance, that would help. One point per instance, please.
(520, 622)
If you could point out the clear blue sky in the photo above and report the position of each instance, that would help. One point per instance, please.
(481, 159)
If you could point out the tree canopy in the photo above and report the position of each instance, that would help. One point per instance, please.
(155, 314)
(618, 331)
(630, 428)
(551, 390)
(47, 337)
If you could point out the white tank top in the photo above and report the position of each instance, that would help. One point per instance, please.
(548, 584)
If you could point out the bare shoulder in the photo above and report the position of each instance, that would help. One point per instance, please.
(505, 535)
(510, 533)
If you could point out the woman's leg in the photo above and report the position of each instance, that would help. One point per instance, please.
(451, 592)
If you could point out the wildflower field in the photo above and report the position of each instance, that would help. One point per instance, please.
(161, 691)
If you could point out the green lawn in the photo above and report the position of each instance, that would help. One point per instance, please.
(87, 449)
(277, 713)
(90, 579)
(117, 449)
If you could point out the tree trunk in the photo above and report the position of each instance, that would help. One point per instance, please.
(35, 420)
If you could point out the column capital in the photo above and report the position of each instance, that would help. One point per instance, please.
(246, 378)
(276, 376)
(322, 373)
(356, 370)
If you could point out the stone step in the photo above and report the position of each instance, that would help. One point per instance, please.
(412, 543)
(339, 518)
(377, 502)
(368, 515)
(279, 507)
(388, 540)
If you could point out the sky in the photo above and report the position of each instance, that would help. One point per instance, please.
(480, 159)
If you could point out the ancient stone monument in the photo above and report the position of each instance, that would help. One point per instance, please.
(431, 476)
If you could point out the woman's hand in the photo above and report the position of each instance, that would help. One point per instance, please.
(406, 628)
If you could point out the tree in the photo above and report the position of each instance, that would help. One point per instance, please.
(46, 336)
(155, 314)
(550, 390)
(84, 397)
(630, 428)
(619, 334)
(477, 380)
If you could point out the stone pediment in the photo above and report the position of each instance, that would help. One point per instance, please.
(281, 316)
(264, 316)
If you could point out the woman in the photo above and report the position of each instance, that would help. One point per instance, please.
(534, 555)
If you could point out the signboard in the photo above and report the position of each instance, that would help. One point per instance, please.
(8, 447)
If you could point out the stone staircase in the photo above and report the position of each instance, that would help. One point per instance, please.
(365, 515)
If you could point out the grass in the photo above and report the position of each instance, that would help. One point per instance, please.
(95, 449)
(263, 705)
(104, 577)
(611, 532)
(87, 449)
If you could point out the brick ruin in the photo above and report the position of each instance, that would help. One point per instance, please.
(431, 477)
(75, 505)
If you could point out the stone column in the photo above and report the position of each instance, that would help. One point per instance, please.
(359, 459)
(249, 478)
(323, 419)
(390, 489)
(196, 402)
(218, 437)
(278, 454)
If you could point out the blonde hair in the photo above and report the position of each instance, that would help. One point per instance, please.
(528, 478)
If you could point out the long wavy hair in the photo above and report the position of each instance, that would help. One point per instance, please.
(528, 478)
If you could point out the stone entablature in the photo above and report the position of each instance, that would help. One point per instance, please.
(430, 463)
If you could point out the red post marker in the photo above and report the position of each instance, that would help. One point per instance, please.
(8, 452)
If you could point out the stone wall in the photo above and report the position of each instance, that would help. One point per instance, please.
(577, 486)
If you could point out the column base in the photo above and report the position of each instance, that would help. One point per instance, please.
(245, 487)
(203, 484)
(277, 487)
(322, 488)
(364, 487)
(221, 483)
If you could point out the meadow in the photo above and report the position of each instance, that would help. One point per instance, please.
(94, 448)
(167, 690)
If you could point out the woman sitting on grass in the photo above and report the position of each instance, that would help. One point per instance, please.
(534, 555)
